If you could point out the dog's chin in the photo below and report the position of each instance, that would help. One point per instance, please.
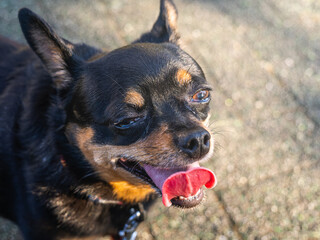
(189, 202)
(138, 170)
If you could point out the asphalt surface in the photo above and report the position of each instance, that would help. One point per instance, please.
(262, 59)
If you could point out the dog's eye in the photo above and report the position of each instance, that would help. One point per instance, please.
(201, 96)
(127, 123)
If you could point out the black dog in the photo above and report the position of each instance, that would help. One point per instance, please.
(87, 137)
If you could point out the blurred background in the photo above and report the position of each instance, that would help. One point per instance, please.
(262, 59)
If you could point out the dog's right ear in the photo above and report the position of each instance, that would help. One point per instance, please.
(55, 52)
(165, 27)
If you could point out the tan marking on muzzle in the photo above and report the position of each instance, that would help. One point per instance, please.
(158, 146)
(125, 186)
(84, 137)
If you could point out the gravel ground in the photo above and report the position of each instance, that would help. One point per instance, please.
(262, 60)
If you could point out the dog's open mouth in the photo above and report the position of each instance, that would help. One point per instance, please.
(180, 187)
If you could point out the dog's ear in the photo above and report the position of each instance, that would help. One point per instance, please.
(55, 52)
(165, 28)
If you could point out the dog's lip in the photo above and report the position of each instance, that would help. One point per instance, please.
(135, 168)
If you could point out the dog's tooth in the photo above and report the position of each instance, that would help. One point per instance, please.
(113, 162)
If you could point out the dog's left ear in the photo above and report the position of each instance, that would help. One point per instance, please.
(165, 28)
(55, 52)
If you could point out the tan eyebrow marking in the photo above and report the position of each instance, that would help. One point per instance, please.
(183, 77)
(134, 98)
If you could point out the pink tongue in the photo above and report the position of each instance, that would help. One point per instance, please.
(180, 182)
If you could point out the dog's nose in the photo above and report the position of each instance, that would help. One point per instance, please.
(196, 143)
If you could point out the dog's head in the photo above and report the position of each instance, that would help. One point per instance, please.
(138, 114)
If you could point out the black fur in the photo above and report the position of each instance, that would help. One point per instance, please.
(55, 83)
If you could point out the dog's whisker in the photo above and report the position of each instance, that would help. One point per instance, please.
(88, 175)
